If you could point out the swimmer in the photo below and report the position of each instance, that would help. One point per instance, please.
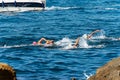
(73, 46)
(91, 34)
(50, 42)
(44, 42)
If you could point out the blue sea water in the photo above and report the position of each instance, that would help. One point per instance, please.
(62, 21)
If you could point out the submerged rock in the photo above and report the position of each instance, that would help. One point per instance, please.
(7, 72)
(110, 71)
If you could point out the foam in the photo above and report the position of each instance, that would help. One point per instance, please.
(83, 43)
(87, 76)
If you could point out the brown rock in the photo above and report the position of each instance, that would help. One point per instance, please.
(7, 72)
(110, 71)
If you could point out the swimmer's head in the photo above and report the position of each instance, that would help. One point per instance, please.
(34, 43)
(85, 36)
(52, 41)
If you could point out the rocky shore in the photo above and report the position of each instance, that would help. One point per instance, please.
(7, 72)
(110, 71)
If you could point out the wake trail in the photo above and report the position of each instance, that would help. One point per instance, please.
(78, 8)
(17, 46)
(60, 8)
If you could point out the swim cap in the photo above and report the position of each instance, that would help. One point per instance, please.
(85, 36)
(34, 43)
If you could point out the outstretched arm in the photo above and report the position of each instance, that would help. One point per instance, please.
(40, 41)
(91, 34)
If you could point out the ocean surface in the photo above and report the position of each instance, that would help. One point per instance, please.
(62, 21)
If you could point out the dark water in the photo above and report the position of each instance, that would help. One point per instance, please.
(63, 20)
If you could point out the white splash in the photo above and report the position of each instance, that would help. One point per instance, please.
(64, 42)
(69, 47)
(67, 43)
(84, 36)
(87, 76)
(83, 43)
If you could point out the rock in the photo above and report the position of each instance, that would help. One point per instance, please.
(73, 79)
(110, 71)
(7, 72)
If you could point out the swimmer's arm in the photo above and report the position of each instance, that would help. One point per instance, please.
(91, 34)
(40, 41)
(76, 43)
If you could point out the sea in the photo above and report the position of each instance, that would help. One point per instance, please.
(62, 21)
